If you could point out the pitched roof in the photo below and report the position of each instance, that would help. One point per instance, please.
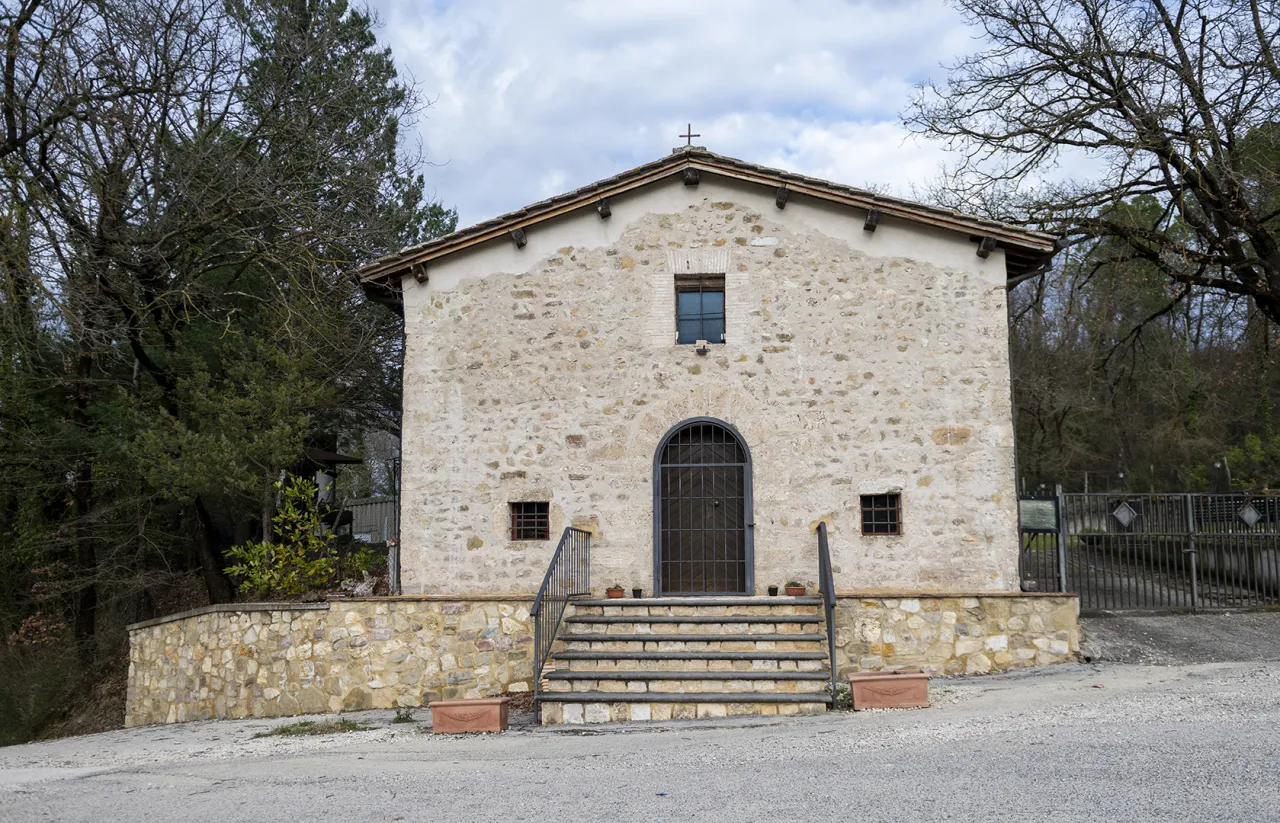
(1025, 250)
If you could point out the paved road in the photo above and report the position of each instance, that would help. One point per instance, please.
(1181, 639)
(1154, 743)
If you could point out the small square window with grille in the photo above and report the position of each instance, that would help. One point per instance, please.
(882, 514)
(530, 521)
(699, 309)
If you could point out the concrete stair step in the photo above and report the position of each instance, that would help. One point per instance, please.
(688, 655)
(571, 709)
(629, 646)
(594, 637)
(686, 697)
(695, 618)
(701, 675)
(684, 664)
(710, 600)
(680, 607)
(586, 683)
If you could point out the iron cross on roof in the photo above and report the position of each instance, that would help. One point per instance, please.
(689, 135)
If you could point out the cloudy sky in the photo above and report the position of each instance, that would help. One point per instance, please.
(535, 97)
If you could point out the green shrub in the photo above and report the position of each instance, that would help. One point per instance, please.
(843, 698)
(300, 559)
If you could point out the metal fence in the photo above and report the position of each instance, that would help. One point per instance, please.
(377, 520)
(1122, 552)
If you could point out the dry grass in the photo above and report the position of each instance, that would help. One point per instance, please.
(304, 727)
(521, 702)
(102, 710)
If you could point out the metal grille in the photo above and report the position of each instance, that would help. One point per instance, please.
(530, 521)
(1124, 552)
(702, 508)
(882, 514)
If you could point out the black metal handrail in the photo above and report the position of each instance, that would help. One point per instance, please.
(568, 575)
(827, 581)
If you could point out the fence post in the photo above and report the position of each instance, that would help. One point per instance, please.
(1062, 537)
(1191, 550)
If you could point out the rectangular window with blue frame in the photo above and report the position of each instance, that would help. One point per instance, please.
(700, 309)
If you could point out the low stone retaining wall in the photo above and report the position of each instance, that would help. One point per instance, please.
(954, 634)
(279, 659)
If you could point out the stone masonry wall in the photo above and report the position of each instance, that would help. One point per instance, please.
(846, 373)
(973, 634)
(271, 660)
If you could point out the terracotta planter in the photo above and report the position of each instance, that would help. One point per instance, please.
(908, 689)
(615, 593)
(486, 714)
(795, 591)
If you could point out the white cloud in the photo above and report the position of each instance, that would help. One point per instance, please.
(534, 98)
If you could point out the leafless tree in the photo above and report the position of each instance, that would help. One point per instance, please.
(1176, 101)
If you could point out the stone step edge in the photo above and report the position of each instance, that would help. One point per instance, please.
(689, 655)
(594, 637)
(695, 618)
(685, 697)
(700, 601)
(613, 674)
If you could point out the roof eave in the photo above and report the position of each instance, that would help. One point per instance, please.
(1036, 247)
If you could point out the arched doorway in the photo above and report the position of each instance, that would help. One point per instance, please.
(702, 518)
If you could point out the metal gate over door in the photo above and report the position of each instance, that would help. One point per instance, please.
(1123, 552)
(702, 510)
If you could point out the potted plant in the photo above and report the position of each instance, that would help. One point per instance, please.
(773, 591)
(615, 590)
(637, 592)
(794, 589)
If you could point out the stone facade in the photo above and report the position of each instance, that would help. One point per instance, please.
(973, 634)
(272, 660)
(854, 363)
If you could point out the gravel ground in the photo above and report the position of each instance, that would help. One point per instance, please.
(1074, 742)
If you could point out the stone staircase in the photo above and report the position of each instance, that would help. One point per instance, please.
(687, 657)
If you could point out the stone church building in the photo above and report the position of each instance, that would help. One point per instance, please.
(855, 360)
(678, 373)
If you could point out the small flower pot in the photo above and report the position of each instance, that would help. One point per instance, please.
(773, 591)
(795, 591)
(615, 593)
(637, 593)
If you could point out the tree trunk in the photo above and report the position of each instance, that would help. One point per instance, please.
(86, 608)
(209, 548)
(86, 560)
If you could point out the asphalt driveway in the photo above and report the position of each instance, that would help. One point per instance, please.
(1074, 742)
